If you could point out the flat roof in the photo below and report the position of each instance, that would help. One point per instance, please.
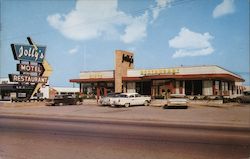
(182, 72)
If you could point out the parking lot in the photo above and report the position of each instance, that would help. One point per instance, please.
(231, 114)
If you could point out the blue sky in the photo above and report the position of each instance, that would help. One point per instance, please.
(83, 35)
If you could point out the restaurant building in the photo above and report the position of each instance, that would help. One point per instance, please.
(206, 80)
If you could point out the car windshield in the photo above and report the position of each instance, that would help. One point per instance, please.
(113, 95)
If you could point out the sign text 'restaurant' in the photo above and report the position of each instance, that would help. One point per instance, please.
(27, 78)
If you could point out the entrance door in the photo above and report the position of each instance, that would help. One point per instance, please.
(188, 87)
(143, 88)
(193, 87)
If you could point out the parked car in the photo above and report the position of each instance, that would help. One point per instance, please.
(129, 99)
(105, 100)
(177, 101)
(63, 100)
(245, 98)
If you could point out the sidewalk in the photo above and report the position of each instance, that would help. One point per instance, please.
(229, 115)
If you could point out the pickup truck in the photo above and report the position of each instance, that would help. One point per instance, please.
(63, 100)
(130, 99)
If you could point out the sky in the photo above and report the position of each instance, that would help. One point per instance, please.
(83, 35)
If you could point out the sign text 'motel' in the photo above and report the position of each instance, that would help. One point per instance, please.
(28, 53)
(30, 68)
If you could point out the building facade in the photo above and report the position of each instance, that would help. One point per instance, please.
(206, 80)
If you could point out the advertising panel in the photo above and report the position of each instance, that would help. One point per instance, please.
(28, 53)
(27, 78)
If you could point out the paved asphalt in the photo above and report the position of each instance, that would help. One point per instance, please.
(36, 137)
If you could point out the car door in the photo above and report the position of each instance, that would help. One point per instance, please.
(132, 100)
(138, 99)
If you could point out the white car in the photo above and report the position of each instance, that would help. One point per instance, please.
(177, 101)
(129, 99)
(107, 99)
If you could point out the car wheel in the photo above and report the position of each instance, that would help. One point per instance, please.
(60, 104)
(165, 107)
(127, 105)
(78, 103)
(146, 103)
(238, 100)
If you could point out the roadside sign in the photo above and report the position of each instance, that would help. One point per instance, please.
(28, 53)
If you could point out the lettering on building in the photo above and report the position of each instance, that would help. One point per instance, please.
(159, 72)
(95, 75)
(128, 59)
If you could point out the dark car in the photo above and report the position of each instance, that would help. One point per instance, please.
(245, 98)
(63, 100)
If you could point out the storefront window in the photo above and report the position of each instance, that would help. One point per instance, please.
(88, 90)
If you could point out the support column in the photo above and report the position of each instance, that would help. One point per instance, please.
(123, 61)
(177, 88)
(98, 91)
(105, 91)
(192, 93)
(183, 89)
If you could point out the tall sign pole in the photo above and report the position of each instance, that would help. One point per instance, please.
(45, 65)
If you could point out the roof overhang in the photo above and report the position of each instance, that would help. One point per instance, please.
(197, 77)
(154, 77)
(92, 80)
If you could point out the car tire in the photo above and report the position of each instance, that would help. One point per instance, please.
(60, 104)
(127, 105)
(146, 103)
(78, 103)
(165, 107)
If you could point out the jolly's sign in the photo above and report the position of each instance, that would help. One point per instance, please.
(128, 59)
(28, 53)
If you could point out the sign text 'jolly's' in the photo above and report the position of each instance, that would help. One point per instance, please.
(28, 53)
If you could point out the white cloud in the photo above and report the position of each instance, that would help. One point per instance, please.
(160, 5)
(195, 52)
(92, 19)
(74, 50)
(191, 43)
(136, 30)
(224, 8)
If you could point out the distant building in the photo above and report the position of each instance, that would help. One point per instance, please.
(206, 80)
(9, 90)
